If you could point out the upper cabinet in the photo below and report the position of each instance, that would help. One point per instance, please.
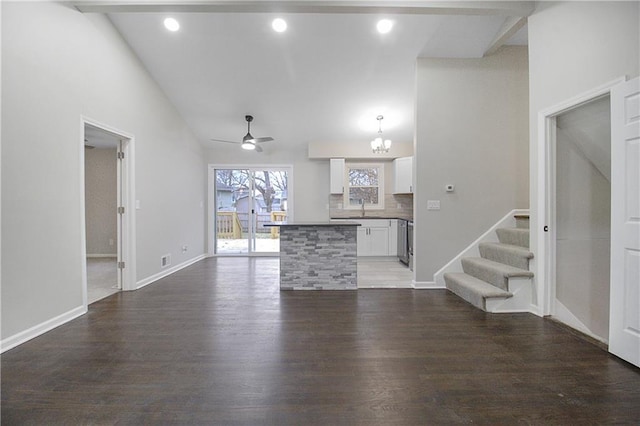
(403, 172)
(336, 175)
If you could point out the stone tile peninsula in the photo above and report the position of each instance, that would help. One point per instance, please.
(318, 255)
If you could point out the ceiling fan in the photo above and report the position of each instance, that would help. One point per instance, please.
(248, 141)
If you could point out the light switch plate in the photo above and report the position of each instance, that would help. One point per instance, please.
(433, 204)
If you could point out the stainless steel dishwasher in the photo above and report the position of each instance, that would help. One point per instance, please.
(403, 242)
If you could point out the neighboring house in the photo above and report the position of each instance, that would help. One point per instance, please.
(224, 198)
(465, 134)
(243, 205)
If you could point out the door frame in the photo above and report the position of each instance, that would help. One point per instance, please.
(126, 189)
(211, 201)
(545, 268)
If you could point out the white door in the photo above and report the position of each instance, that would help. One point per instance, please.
(624, 325)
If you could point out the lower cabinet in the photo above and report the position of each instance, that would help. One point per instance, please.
(374, 237)
(373, 241)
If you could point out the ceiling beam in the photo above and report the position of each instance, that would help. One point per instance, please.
(511, 26)
(415, 7)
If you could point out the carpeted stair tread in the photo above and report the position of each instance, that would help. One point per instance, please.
(472, 289)
(492, 272)
(514, 236)
(508, 254)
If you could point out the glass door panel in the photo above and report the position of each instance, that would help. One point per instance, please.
(271, 189)
(232, 189)
(246, 199)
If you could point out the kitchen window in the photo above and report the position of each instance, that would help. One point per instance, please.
(365, 184)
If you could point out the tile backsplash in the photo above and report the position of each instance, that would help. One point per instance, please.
(391, 203)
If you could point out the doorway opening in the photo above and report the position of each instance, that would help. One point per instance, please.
(582, 217)
(242, 200)
(108, 220)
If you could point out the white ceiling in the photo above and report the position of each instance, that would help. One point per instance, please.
(325, 79)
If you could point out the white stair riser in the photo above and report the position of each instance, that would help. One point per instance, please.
(520, 302)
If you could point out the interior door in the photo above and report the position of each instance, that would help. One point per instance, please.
(120, 215)
(624, 330)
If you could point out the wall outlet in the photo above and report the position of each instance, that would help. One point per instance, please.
(433, 204)
(165, 260)
(184, 248)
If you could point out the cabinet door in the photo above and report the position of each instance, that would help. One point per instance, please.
(403, 173)
(364, 243)
(336, 175)
(379, 239)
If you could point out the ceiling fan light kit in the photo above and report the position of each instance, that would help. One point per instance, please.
(248, 141)
(248, 145)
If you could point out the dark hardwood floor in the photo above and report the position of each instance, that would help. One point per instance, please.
(218, 343)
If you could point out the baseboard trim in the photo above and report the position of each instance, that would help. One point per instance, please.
(153, 278)
(98, 255)
(39, 329)
(425, 285)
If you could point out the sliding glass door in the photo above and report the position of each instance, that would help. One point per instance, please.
(246, 199)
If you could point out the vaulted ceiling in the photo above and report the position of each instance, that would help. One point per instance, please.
(325, 78)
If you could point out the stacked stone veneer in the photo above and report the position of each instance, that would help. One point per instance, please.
(318, 257)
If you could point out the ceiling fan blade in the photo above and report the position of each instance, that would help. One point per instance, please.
(225, 141)
(258, 148)
(265, 139)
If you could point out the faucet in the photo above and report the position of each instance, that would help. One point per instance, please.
(362, 203)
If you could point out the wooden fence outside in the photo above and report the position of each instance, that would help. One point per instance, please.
(233, 224)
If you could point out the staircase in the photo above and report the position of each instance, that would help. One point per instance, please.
(499, 280)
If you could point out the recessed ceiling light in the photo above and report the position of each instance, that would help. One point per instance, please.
(279, 25)
(171, 24)
(384, 26)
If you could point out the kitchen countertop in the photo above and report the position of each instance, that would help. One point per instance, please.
(371, 217)
(336, 223)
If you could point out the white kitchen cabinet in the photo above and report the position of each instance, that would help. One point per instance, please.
(336, 175)
(393, 237)
(373, 237)
(403, 173)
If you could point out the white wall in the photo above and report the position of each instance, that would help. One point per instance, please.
(574, 47)
(101, 200)
(472, 128)
(58, 65)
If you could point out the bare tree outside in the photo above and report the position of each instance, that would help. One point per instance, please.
(270, 184)
(363, 185)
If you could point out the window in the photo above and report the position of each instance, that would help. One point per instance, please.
(365, 184)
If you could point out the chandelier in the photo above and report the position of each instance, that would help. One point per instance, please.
(379, 145)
